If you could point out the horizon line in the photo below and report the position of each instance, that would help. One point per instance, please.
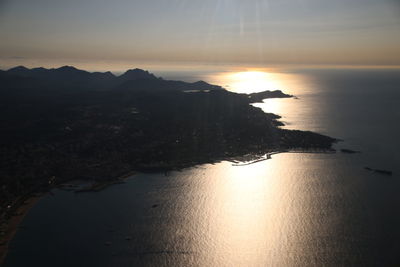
(202, 66)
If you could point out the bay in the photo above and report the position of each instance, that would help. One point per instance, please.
(293, 210)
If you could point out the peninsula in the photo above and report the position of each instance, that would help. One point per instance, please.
(66, 124)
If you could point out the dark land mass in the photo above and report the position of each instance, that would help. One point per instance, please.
(349, 151)
(259, 97)
(66, 124)
(384, 172)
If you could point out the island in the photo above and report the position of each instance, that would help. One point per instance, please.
(69, 124)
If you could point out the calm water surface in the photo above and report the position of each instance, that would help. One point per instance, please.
(293, 210)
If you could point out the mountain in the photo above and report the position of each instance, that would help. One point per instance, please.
(160, 84)
(10, 81)
(65, 72)
(68, 77)
(65, 77)
(136, 74)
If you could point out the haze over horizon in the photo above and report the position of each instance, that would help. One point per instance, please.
(92, 34)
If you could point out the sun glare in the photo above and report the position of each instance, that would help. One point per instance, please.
(250, 81)
(254, 81)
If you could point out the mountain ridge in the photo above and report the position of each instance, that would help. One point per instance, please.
(71, 77)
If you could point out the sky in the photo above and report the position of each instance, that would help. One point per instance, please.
(243, 32)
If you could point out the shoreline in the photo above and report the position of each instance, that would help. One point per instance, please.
(98, 186)
(12, 224)
(268, 156)
(9, 227)
(119, 148)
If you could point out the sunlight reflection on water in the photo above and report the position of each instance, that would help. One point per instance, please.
(294, 113)
(293, 210)
(258, 80)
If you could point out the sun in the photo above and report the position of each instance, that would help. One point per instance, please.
(252, 81)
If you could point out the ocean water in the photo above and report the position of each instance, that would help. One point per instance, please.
(292, 210)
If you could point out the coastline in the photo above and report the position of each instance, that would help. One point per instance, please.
(10, 226)
(252, 159)
(119, 134)
(98, 186)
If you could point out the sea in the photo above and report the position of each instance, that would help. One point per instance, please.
(296, 209)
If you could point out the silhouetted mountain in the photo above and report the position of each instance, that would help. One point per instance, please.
(10, 81)
(160, 84)
(62, 72)
(65, 76)
(68, 77)
(136, 74)
(18, 70)
(103, 75)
